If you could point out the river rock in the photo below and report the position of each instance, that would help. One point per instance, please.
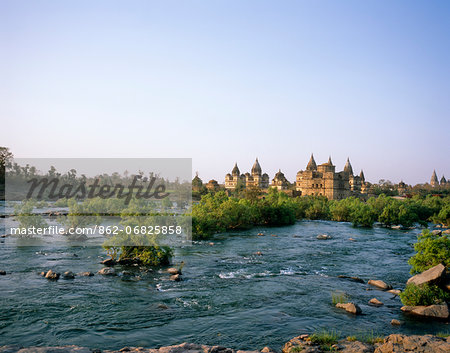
(323, 237)
(353, 278)
(423, 344)
(86, 274)
(2, 273)
(107, 271)
(68, 275)
(352, 347)
(436, 232)
(109, 262)
(395, 322)
(375, 301)
(173, 271)
(439, 311)
(176, 278)
(258, 253)
(395, 291)
(350, 307)
(429, 276)
(52, 275)
(380, 284)
(447, 231)
(268, 350)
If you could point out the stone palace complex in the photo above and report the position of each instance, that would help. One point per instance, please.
(316, 179)
(320, 180)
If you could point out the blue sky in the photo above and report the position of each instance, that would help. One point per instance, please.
(227, 81)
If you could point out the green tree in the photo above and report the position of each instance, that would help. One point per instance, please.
(431, 250)
(363, 215)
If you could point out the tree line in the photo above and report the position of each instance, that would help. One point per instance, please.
(219, 212)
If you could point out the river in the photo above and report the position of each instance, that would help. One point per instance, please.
(230, 296)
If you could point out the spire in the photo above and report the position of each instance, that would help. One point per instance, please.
(329, 161)
(443, 180)
(348, 167)
(256, 169)
(434, 180)
(311, 164)
(361, 175)
(235, 170)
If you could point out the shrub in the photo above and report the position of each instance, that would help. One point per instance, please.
(431, 251)
(148, 255)
(425, 294)
(443, 216)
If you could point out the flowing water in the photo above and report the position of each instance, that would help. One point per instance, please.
(229, 296)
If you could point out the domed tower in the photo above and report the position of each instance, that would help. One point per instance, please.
(434, 180)
(279, 181)
(256, 169)
(311, 164)
(197, 183)
(231, 180)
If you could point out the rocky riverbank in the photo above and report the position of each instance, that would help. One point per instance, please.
(394, 343)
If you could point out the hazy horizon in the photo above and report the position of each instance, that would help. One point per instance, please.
(228, 81)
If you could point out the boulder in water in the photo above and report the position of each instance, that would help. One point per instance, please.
(52, 275)
(173, 271)
(375, 301)
(86, 274)
(350, 307)
(107, 271)
(439, 311)
(352, 278)
(2, 273)
(323, 237)
(176, 278)
(432, 275)
(395, 291)
(380, 284)
(68, 275)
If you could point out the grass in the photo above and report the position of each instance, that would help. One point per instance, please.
(296, 349)
(370, 337)
(339, 297)
(443, 334)
(351, 338)
(325, 339)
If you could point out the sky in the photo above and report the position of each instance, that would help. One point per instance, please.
(228, 81)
